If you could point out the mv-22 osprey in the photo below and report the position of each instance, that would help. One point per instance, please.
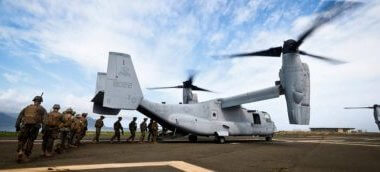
(119, 89)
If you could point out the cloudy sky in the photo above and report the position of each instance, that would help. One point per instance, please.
(56, 47)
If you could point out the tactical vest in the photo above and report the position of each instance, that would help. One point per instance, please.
(66, 121)
(99, 123)
(32, 115)
(84, 121)
(53, 119)
(77, 125)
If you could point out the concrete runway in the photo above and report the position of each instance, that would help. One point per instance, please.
(314, 153)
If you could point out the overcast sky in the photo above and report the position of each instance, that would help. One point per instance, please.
(56, 47)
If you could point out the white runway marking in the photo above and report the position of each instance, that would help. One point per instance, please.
(181, 165)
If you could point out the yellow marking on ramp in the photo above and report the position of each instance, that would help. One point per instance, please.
(181, 165)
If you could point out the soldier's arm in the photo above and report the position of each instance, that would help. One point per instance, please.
(18, 121)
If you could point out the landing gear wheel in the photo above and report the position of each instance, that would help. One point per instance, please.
(221, 139)
(193, 138)
(268, 138)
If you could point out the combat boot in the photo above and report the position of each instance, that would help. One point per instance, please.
(20, 155)
(48, 154)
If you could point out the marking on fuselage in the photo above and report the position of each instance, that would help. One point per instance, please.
(181, 165)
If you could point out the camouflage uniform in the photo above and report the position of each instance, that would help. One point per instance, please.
(143, 129)
(117, 127)
(154, 131)
(98, 125)
(65, 129)
(76, 130)
(51, 129)
(85, 124)
(132, 129)
(28, 124)
(150, 134)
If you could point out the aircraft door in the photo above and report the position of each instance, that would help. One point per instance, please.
(256, 123)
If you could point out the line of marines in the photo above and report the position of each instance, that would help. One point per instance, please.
(68, 127)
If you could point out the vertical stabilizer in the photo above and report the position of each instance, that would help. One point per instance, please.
(122, 88)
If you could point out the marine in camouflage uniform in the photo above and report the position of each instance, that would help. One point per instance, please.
(76, 130)
(132, 129)
(51, 130)
(143, 129)
(117, 127)
(150, 134)
(85, 125)
(154, 131)
(28, 125)
(65, 130)
(98, 126)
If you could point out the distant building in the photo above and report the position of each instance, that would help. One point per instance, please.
(332, 130)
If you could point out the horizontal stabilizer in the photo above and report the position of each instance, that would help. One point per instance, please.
(99, 108)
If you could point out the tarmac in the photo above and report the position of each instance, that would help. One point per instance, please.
(310, 153)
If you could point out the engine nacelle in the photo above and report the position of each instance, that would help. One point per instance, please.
(295, 81)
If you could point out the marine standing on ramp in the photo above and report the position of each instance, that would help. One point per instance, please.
(98, 125)
(28, 125)
(143, 128)
(51, 130)
(132, 129)
(117, 127)
(150, 134)
(154, 131)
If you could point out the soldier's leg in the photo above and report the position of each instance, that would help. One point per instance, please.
(97, 134)
(142, 136)
(133, 135)
(45, 141)
(114, 136)
(31, 137)
(50, 144)
(117, 134)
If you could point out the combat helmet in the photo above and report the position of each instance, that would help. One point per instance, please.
(84, 114)
(38, 99)
(120, 118)
(69, 110)
(56, 106)
(77, 115)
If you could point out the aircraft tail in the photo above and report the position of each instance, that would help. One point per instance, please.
(119, 88)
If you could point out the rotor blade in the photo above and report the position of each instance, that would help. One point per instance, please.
(358, 107)
(271, 52)
(195, 88)
(156, 88)
(328, 16)
(327, 59)
(192, 74)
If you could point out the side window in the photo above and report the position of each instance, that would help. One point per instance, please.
(256, 119)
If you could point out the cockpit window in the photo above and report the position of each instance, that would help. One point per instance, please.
(267, 118)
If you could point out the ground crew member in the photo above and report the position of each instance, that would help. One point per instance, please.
(28, 125)
(51, 130)
(154, 131)
(98, 125)
(132, 129)
(117, 127)
(85, 125)
(143, 129)
(65, 130)
(150, 135)
(76, 130)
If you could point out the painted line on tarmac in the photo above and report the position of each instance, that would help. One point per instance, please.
(337, 142)
(181, 165)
